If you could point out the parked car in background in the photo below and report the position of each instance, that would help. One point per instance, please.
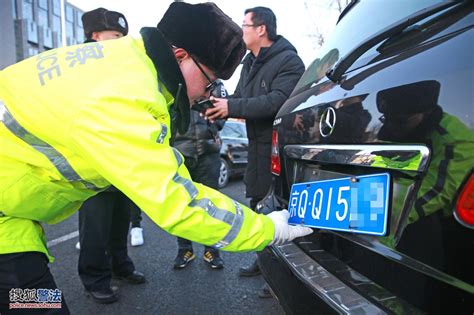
(374, 149)
(234, 151)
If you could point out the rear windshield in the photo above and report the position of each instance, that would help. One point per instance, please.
(234, 130)
(362, 21)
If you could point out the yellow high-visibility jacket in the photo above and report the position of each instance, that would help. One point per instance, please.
(77, 119)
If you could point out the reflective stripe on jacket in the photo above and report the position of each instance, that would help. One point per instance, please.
(75, 120)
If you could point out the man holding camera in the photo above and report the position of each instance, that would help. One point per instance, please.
(270, 72)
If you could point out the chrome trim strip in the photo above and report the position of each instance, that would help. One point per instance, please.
(397, 157)
(402, 220)
(235, 228)
(55, 157)
(328, 287)
(217, 213)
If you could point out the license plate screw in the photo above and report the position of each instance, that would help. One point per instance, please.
(353, 180)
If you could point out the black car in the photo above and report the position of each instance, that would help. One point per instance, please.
(374, 149)
(233, 151)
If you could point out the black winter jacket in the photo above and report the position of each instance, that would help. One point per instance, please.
(201, 138)
(265, 84)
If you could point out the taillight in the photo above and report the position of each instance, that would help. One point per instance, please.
(275, 155)
(464, 210)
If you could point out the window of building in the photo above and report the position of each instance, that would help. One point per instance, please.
(56, 23)
(80, 35)
(28, 10)
(80, 38)
(71, 41)
(57, 7)
(32, 50)
(79, 18)
(69, 29)
(43, 17)
(69, 14)
(43, 4)
(56, 20)
(14, 12)
(47, 38)
(32, 32)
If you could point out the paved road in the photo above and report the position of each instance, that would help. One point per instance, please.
(194, 290)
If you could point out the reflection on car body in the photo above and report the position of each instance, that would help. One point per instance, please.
(403, 107)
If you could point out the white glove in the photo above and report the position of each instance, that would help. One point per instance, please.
(283, 231)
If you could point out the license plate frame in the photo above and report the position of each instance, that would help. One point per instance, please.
(353, 208)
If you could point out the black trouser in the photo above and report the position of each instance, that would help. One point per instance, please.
(135, 217)
(28, 270)
(103, 230)
(204, 170)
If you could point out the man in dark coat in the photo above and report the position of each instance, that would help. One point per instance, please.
(201, 146)
(269, 74)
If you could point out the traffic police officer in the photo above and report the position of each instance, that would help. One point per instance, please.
(66, 135)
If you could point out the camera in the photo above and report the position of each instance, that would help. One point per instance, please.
(202, 106)
(216, 89)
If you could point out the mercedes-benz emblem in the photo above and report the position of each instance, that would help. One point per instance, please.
(327, 122)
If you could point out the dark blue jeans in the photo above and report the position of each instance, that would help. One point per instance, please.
(204, 170)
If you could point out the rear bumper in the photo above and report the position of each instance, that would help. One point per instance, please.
(302, 285)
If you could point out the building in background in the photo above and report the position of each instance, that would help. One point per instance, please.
(33, 26)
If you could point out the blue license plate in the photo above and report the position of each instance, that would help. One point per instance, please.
(352, 204)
